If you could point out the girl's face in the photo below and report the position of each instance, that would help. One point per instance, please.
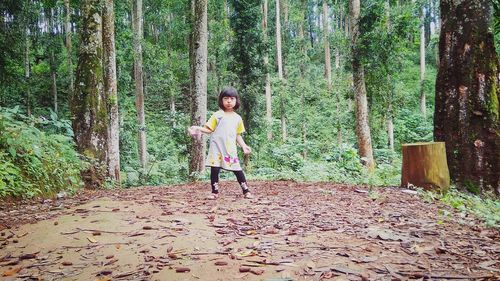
(229, 103)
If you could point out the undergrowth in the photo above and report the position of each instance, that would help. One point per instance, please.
(485, 208)
(36, 162)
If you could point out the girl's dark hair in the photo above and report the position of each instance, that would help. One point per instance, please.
(229, 92)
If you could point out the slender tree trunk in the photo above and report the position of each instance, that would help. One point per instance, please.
(139, 80)
(427, 21)
(88, 104)
(269, 110)
(326, 42)
(53, 61)
(362, 124)
(110, 90)
(422, 65)
(67, 27)
(27, 72)
(302, 66)
(390, 128)
(278, 41)
(199, 99)
(466, 115)
(280, 72)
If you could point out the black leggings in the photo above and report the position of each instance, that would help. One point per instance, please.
(214, 179)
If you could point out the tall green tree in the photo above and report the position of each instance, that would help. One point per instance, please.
(362, 124)
(88, 103)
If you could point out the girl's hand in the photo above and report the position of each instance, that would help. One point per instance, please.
(194, 131)
(247, 150)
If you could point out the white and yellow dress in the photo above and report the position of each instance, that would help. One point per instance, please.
(225, 126)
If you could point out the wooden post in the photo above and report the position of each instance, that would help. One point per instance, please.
(424, 165)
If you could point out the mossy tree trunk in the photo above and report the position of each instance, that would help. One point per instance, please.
(110, 89)
(199, 67)
(466, 113)
(88, 103)
(362, 125)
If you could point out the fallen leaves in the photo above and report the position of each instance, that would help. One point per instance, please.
(11, 272)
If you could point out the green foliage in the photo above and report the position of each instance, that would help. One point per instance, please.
(486, 209)
(34, 162)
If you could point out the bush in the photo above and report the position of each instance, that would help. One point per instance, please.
(33, 162)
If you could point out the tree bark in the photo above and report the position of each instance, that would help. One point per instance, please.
(302, 66)
(423, 109)
(424, 165)
(139, 80)
(110, 90)
(269, 110)
(326, 43)
(278, 41)
(280, 72)
(27, 71)
(362, 124)
(53, 74)
(466, 115)
(67, 27)
(88, 104)
(199, 99)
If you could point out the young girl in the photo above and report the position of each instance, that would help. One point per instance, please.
(225, 127)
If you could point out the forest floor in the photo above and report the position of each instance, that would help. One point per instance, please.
(289, 231)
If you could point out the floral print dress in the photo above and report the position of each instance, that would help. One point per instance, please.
(225, 126)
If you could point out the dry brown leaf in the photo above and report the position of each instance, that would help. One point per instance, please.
(91, 240)
(182, 269)
(11, 272)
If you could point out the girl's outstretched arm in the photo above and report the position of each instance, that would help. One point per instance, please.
(196, 130)
(244, 146)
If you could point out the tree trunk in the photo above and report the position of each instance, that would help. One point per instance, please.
(139, 80)
(466, 115)
(278, 41)
(302, 67)
(362, 124)
(280, 72)
(199, 99)
(88, 104)
(110, 90)
(326, 42)
(424, 165)
(27, 71)
(422, 65)
(67, 27)
(269, 110)
(53, 74)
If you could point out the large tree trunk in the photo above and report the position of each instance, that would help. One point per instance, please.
(139, 80)
(67, 30)
(422, 64)
(110, 90)
(466, 115)
(269, 110)
(199, 99)
(88, 104)
(362, 124)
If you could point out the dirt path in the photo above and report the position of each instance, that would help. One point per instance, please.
(290, 231)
